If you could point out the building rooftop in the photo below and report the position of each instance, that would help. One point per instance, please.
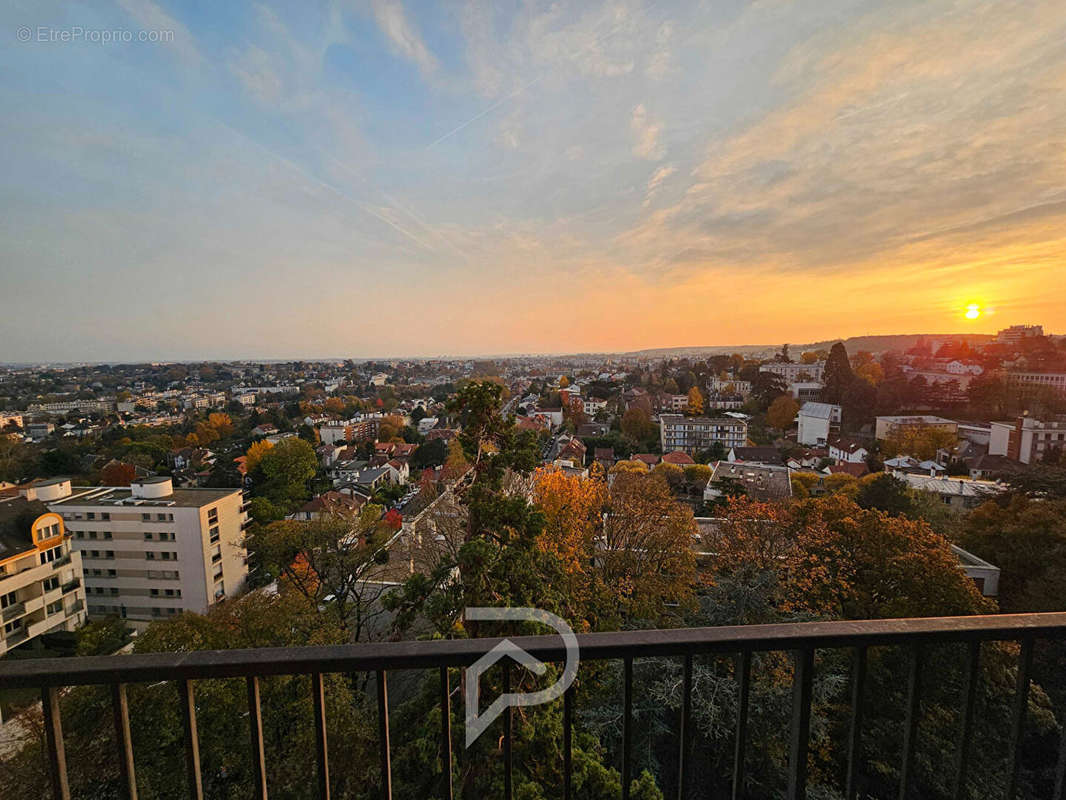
(818, 410)
(123, 495)
(16, 518)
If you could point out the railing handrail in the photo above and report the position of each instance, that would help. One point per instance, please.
(426, 654)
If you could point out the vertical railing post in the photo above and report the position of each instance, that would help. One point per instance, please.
(123, 740)
(1021, 705)
(255, 726)
(318, 696)
(969, 694)
(446, 733)
(858, 689)
(192, 740)
(743, 668)
(57, 756)
(508, 755)
(910, 727)
(383, 735)
(568, 742)
(685, 752)
(802, 683)
(627, 728)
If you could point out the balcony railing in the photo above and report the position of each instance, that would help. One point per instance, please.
(799, 639)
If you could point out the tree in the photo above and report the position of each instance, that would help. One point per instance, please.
(637, 425)
(431, 454)
(766, 387)
(782, 412)
(255, 454)
(837, 377)
(222, 423)
(286, 470)
(695, 401)
(330, 562)
(884, 492)
(117, 473)
(865, 366)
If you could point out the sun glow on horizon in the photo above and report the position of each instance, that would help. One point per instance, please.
(973, 311)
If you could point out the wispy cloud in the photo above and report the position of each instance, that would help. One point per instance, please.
(646, 133)
(402, 35)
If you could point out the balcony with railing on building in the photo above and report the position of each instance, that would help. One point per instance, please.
(908, 708)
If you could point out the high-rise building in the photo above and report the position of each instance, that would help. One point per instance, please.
(40, 576)
(150, 551)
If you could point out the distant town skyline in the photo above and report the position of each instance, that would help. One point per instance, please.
(392, 178)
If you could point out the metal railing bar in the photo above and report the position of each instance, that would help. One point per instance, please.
(446, 733)
(194, 780)
(318, 696)
(123, 740)
(255, 726)
(57, 756)
(1021, 705)
(802, 685)
(858, 690)
(741, 738)
(383, 735)
(969, 694)
(685, 752)
(463, 652)
(910, 725)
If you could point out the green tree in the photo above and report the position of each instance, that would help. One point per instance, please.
(284, 472)
(837, 377)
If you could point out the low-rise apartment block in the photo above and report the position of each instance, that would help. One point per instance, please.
(692, 434)
(1027, 440)
(1030, 381)
(40, 576)
(887, 427)
(150, 551)
(796, 372)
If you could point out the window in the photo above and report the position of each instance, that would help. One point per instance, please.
(214, 534)
(51, 583)
(92, 534)
(146, 517)
(106, 516)
(110, 554)
(147, 536)
(107, 534)
(112, 573)
(8, 599)
(90, 515)
(150, 555)
(79, 535)
(114, 590)
(54, 608)
(161, 517)
(11, 627)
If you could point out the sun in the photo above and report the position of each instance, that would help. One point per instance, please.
(973, 311)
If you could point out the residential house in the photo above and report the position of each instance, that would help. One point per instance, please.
(816, 423)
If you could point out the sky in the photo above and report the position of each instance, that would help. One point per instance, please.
(390, 177)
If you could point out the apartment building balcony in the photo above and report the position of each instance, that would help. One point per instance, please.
(13, 611)
(912, 636)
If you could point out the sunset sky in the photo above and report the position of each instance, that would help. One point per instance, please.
(396, 178)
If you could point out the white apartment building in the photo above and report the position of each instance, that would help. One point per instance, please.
(1026, 440)
(40, 576)
(796, 372)
(150, 551)
(692, 434)
(593, 405)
